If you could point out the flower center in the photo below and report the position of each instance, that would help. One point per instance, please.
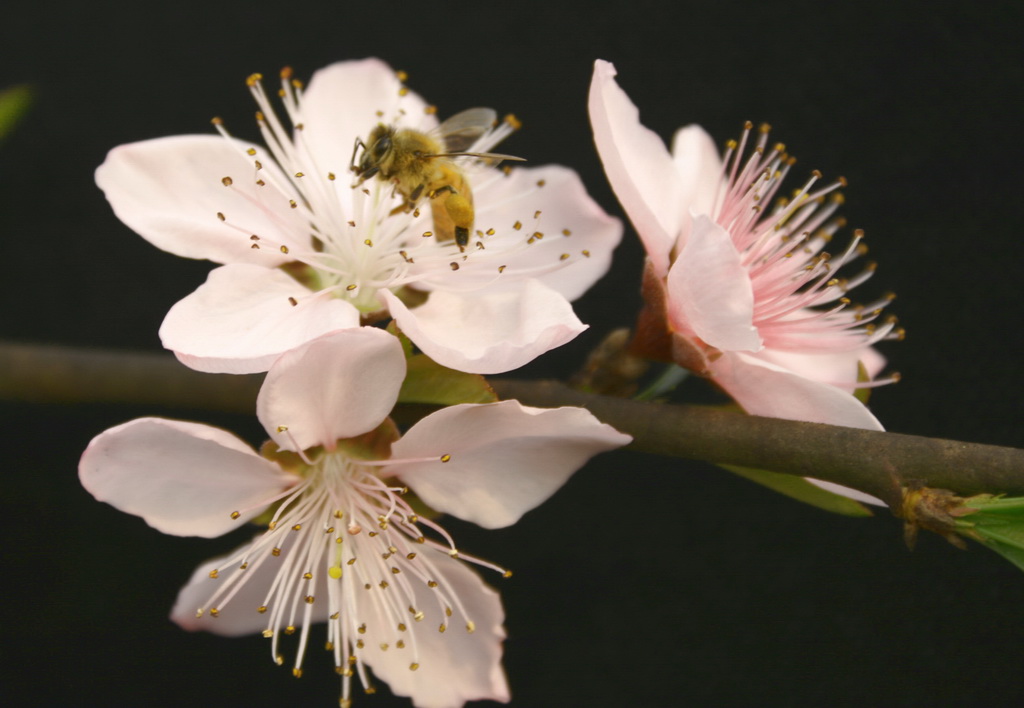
(351, 241)
(344, 547)
(799, 303)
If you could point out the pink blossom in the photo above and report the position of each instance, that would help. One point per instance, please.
(737, 289)
(306, 251)
(342, 545)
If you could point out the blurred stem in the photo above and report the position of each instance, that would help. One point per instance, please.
(882, 464)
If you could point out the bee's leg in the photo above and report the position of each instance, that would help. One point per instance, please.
(352, 161)
(460, 211)
(409, 203)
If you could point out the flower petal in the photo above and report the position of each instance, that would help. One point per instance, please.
(710, 292)
(239, 617)
(488, 331)
(873, 361)
(765, 389)
(837, 369)
(638, 165)
(184, 479)
(346, 100)
(172, 192)
(505, 458)
(242, 319)
(576, 237)
(700, 174)
(338, 386)
(454, 666)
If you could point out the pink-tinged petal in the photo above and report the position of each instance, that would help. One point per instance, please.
(184, 479)
(765, 389)
(873, 361)
(709, 290)
(338, 386)
(454, 666)
(345, 101)
(835, 368)
(503, 459)
(700, 174)
(174, 192)
(637, 164)
(488, 331)
(243, 318)
(847, 492)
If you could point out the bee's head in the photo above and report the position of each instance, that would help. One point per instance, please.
(376, 152)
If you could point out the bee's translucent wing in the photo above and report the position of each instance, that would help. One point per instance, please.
(463, 129)
(489, 158)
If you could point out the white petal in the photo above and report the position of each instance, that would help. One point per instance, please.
(240, 616)
(170, 191)
(338, 386)
(700, 174)
(341, 103)
(505, 458)
(709, 290)
(638, 165)
(488, 331)
(184, 479)
(577, 236)
(241, 320)
(454, 666)
(765, 389)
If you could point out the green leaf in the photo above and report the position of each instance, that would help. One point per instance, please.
(13, 104)
(426, 381)
(670, 377)
(998, 523)
(407, 347)
(862, 394)
(800, 489)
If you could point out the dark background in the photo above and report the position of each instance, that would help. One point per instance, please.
(645, 581)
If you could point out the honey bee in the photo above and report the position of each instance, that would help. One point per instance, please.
(421, 165)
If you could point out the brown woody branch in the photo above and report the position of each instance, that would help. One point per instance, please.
(875, 462)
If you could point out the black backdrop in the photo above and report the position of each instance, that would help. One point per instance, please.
(643, 582)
